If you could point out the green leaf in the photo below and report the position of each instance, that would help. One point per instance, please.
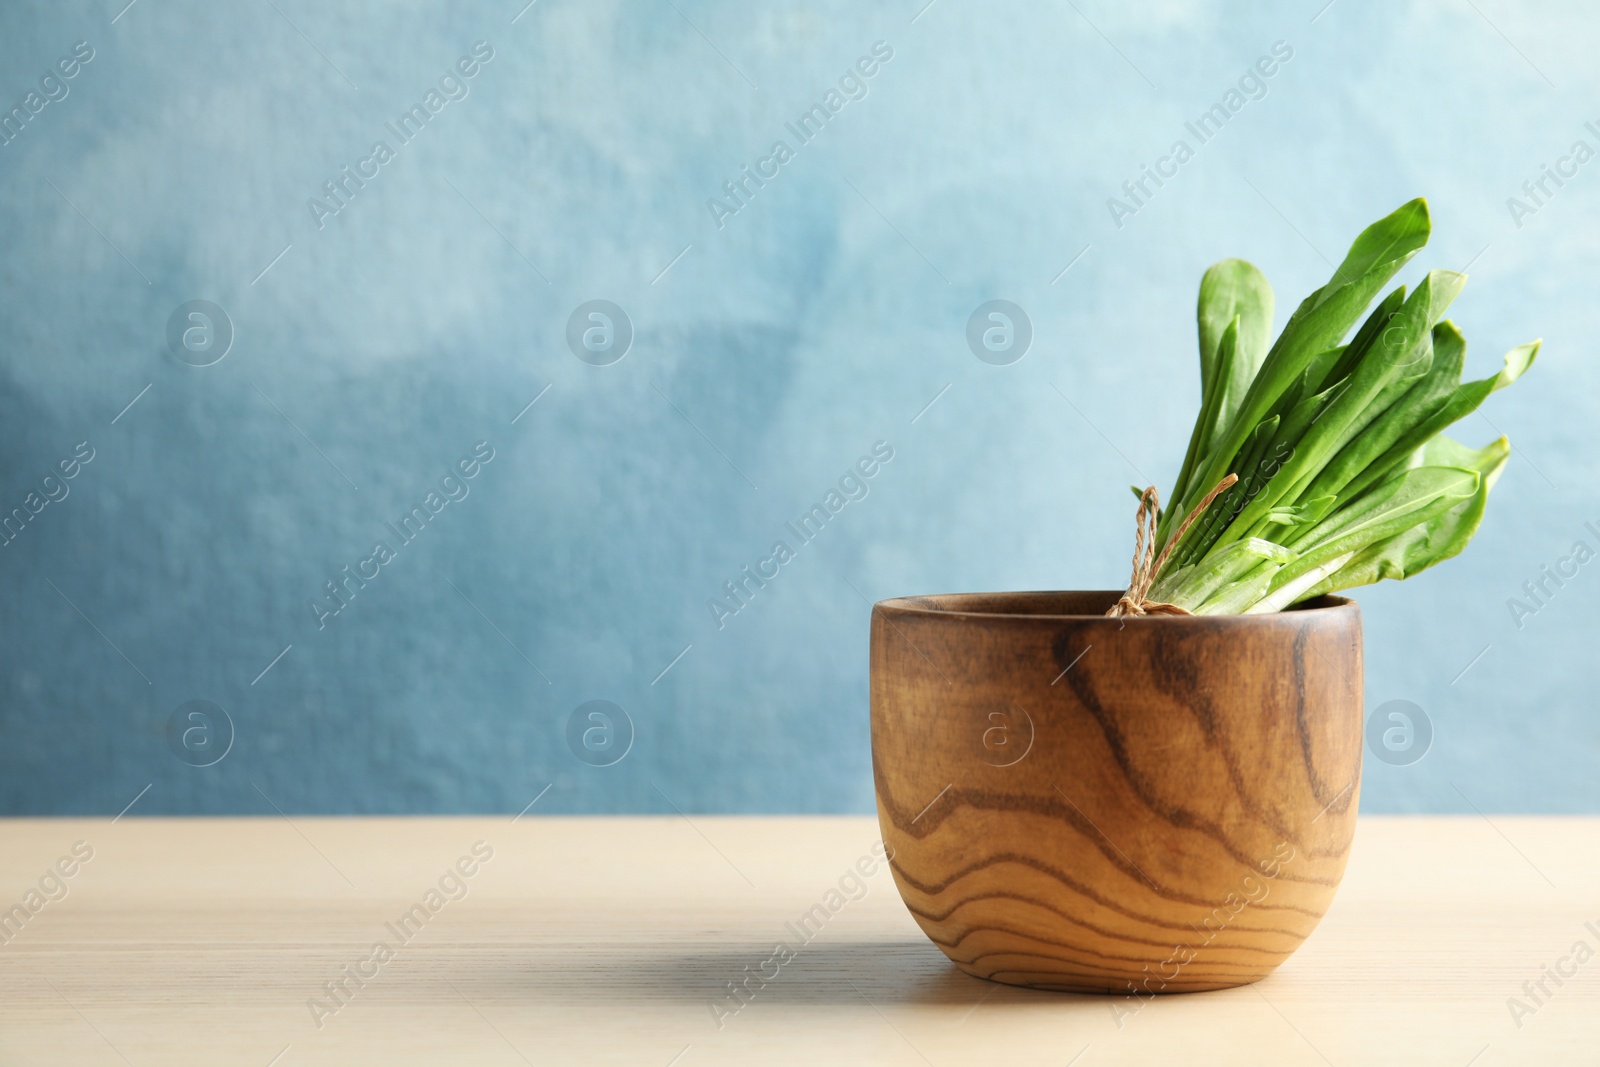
(1405, 491)
(1342, 477)
(1400, 350)
(1408, 499)
(1210, 525)
(1393, 238)
(1236, 599)
(1368, 334)
(1319, 372)
(1424, 398)
(1462, 402)
(1518, 360)
(1191, 587)
(1222, 362)
(1308, 513)
(1261, 461)
(1420, 546)
(1267, 599)
(1316, 325)
(1233, 289)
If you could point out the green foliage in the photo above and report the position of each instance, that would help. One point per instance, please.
(1344, 477)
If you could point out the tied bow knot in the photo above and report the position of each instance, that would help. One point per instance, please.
(1146, 564)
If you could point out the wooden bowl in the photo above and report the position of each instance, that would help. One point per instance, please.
(1076, 802)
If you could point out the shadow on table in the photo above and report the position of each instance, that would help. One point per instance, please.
(877, 972)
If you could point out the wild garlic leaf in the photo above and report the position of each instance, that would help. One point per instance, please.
(1424, 398)
(1420, 546)
(1307, 513)
(1209, 526)
(1230, 290)
(1316, 325)
(1463, 401)
(1401, 494)
(1409, 499)
(1342, 476)
(1367, 336)
(1319, 372)
(1192, 586)
(1240, 597)
(1205, 427)
(1399, 351)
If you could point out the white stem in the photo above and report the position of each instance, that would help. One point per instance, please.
(1282, 598)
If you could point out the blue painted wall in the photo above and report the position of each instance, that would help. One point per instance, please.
(378, 338)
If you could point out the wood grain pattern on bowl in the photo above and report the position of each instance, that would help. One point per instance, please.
(1083, 803)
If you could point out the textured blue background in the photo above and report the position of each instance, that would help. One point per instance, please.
(821, 318)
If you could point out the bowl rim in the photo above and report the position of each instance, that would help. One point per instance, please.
(922, 604)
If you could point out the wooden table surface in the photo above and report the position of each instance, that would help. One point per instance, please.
(614, 940)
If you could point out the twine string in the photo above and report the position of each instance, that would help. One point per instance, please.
(1146, 564)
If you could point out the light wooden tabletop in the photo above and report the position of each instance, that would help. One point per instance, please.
(614, 940)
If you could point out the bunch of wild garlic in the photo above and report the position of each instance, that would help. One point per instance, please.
(1343, 476)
